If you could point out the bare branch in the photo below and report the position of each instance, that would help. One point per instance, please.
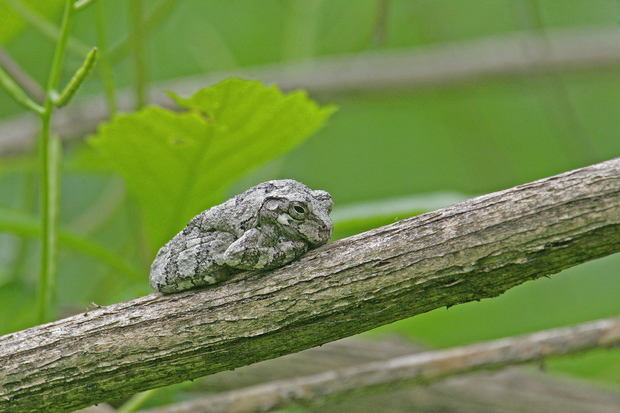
(405, 70)
(475, 249)
(420, 367)
(513, 389)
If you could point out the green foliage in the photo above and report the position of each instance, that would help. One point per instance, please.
(50, 150)
(179, 164)
(13, 13)
(467, 137)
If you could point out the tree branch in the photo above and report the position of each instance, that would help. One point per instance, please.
(474, 249)
(419, 367)
(505, 390)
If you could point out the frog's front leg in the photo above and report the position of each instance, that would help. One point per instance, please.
(255, 250)
(188, 261)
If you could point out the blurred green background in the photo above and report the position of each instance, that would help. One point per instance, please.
(467, 137)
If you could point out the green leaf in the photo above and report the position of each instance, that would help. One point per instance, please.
(179, 164)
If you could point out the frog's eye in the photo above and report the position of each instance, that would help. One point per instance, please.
(298, 210)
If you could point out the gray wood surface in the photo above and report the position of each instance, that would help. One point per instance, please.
(380, 375)
(472, 250)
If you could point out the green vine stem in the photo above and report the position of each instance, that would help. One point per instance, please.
(78, 78)
(48, 223)
(47, 279)
(17, 93)
(49, 161)
(50, 149)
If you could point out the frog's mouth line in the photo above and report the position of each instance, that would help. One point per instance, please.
(289, 230)
(283, 220)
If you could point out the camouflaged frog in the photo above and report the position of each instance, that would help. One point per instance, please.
(263, 228)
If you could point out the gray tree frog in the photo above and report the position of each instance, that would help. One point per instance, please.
(265, 227)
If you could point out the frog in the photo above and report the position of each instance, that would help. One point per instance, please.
(263, 228)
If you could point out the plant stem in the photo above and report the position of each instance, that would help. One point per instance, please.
(46, 239)
(17, 93)
(381, 23)
(53, 181)
(76, 81)
(61, 47)
(50, 149)
(48, 162)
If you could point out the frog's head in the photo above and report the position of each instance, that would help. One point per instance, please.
(299, 211)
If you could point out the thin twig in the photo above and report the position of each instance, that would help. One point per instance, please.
(419, 367)
(49, 158)
(16, 92)
(47, 161)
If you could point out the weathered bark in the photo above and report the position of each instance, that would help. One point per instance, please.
(418, 367)
(472, 250)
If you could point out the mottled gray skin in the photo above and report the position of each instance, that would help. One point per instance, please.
(265, 227)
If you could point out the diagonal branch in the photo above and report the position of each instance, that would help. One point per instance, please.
(472, 250)
(419, 367)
